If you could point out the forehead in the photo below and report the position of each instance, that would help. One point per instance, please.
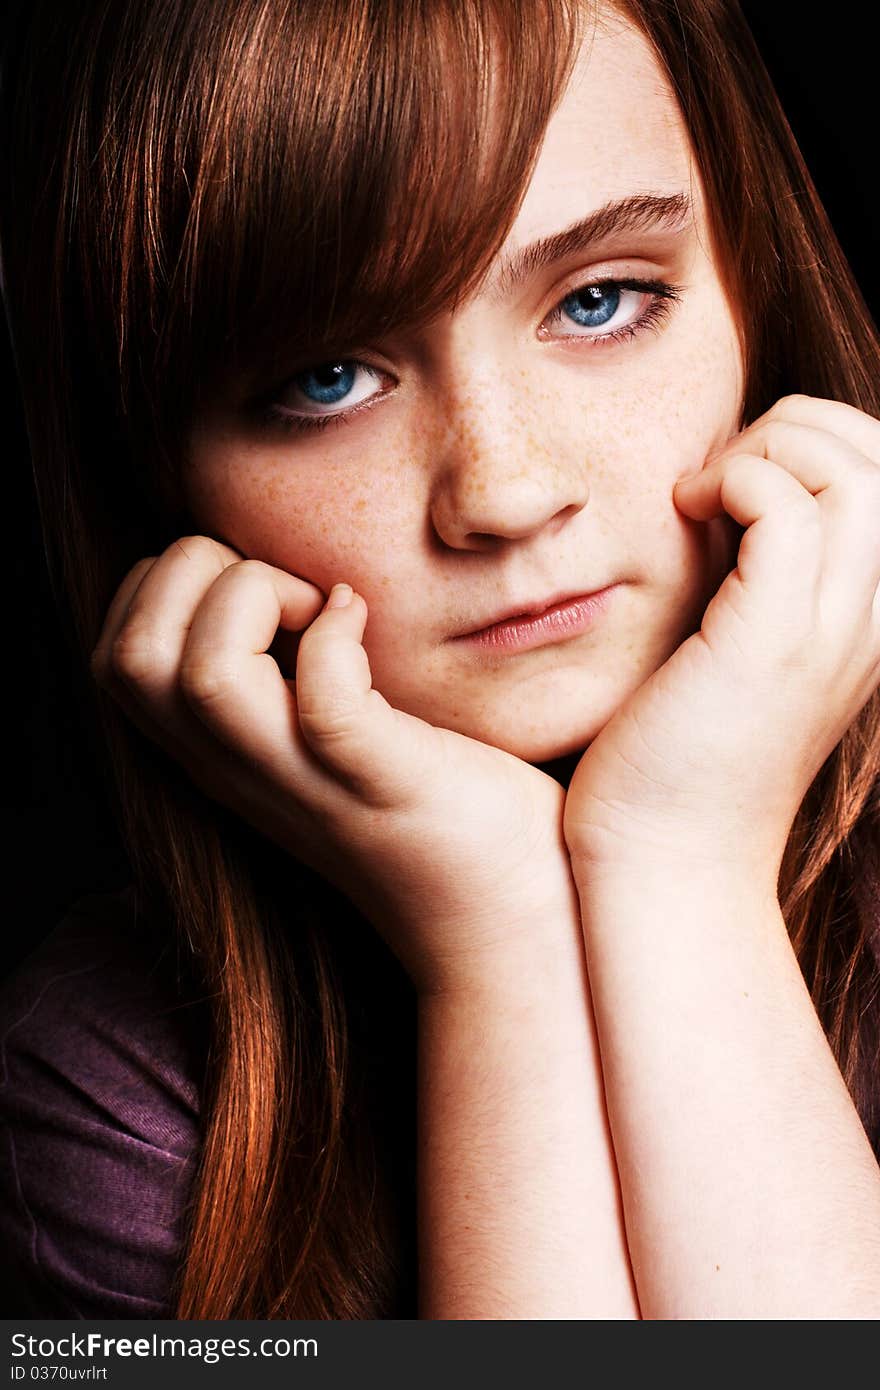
(617, 131)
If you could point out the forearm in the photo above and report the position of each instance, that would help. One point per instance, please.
(748, 1182)
(519, 1205)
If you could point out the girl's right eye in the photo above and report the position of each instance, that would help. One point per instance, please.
(312, 394)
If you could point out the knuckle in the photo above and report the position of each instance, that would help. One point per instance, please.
(136, 654)
(207, 681)
(794, 403)
(249, 570)
(327, 719)
(776, 432)
(201, 550)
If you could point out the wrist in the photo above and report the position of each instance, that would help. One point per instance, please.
(520, 958)
(673, 857)
(677, 875)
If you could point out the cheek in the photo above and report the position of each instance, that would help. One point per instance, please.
(324, 524)
(699, 399)
(691, 404)
(703, 420)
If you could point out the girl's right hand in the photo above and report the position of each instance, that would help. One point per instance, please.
(453, 849)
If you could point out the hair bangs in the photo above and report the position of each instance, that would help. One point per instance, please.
(355, 171)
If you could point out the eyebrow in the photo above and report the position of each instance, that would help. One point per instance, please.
(640, 212)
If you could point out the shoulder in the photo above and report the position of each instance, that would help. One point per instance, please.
(100, 1064)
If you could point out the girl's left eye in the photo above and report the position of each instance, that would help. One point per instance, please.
(595, 312)
(599, 309)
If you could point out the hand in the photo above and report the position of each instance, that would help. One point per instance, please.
(453, 849)
(713, 755)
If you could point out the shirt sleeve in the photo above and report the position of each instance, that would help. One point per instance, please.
(100, 1068)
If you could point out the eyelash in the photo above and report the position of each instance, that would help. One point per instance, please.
(665, 297)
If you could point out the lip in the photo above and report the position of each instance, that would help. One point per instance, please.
(535, 625)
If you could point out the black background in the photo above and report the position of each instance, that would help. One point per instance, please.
(57, 835)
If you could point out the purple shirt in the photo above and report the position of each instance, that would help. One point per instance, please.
(100, 1061)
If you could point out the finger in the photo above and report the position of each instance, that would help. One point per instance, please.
(135, 661)
(781, 552)
(818, 459)
(845, 484)
(116, 613)
(192, 753)
(146, 648)
(229, 680)
(373, 748)
(847, 422)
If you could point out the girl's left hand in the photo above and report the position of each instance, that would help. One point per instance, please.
(713, 755)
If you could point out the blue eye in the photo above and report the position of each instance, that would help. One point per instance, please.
(622, 308)
(311, 394)
(592, 305)
(328, 384)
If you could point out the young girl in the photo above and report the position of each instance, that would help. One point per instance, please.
(455, 435)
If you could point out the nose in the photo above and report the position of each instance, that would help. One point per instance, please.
(504, 478)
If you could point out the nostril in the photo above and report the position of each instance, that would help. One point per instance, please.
(474, 509)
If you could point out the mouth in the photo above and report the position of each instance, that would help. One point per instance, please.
(535, 624)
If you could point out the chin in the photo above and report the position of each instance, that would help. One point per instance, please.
(552, 716)
(542, 745)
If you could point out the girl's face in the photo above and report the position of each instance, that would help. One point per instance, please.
(513, 453)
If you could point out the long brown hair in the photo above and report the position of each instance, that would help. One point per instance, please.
(191, 188)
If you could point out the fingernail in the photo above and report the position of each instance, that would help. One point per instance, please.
(340, 596)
